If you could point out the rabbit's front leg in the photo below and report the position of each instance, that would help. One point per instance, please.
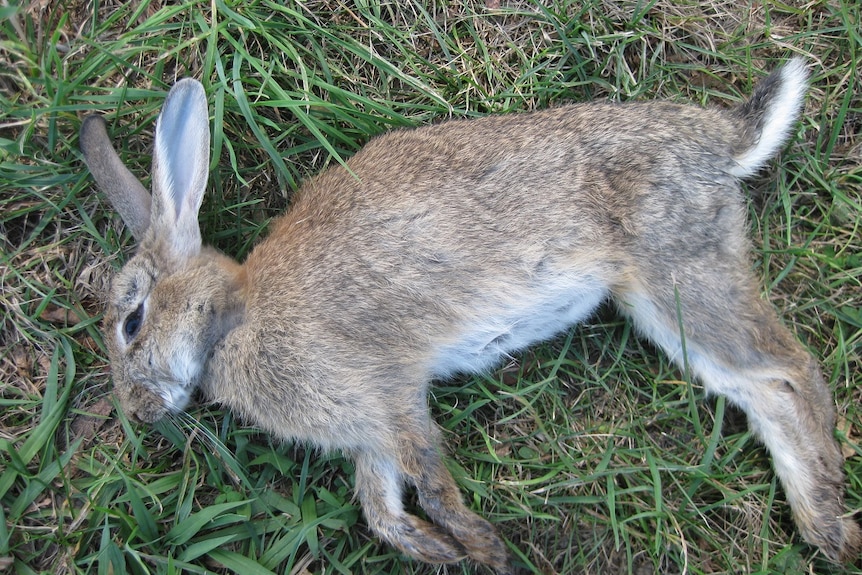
(456, 534)
(379, 487)
(440, 497)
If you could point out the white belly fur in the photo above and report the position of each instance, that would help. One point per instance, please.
(524, 318)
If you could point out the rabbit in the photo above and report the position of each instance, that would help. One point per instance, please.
(444, 250)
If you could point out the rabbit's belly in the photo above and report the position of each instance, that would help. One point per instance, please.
(486, 342)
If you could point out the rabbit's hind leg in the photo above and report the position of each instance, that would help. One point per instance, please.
(736, 346)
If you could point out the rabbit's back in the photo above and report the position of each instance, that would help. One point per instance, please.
(448, 247)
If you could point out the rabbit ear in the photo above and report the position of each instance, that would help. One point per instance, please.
(180, 168)
(124, 191)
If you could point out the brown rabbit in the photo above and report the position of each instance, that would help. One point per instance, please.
(443, 250)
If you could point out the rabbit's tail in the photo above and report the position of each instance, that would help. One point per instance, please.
(768, 116)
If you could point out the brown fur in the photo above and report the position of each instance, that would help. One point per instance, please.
(445, 248)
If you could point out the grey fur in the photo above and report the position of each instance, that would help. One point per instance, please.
(124, 191)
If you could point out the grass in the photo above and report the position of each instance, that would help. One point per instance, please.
(589, 452)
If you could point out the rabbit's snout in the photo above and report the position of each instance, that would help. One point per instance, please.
(160, 381)
(141, 404)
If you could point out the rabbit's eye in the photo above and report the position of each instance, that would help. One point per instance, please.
(133, 322)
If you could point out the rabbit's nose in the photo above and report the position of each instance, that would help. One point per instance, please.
(135, 418)
(147, 414)
(140, 404)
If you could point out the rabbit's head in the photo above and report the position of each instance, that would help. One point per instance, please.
(174, 300)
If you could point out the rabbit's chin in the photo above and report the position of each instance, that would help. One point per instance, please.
(176, 393)
(176, 397)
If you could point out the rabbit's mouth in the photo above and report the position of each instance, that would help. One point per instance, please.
(144, 404)
(141, 403)
(148, 397)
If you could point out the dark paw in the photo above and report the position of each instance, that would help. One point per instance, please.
(427, 542)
